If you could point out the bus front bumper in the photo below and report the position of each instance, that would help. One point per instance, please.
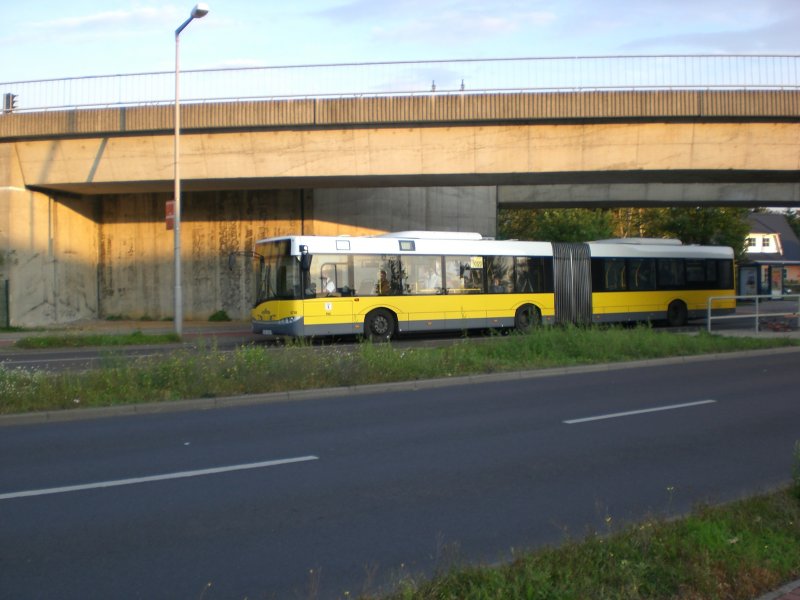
(289, 327)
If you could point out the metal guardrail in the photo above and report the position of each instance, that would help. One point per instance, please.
(691, 72)
(757, 315)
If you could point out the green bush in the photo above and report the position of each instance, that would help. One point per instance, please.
(220, 315)
(796, 470)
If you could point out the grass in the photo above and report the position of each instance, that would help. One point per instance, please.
(730, 552)
(83, 340)
(254, 369)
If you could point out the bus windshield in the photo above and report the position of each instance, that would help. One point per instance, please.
(279, 273)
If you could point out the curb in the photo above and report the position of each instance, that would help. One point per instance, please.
(67, 415)
(790, 591)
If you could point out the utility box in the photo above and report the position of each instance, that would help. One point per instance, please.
(5, 313)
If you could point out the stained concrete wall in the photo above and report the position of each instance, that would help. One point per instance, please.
(48, 251)
(136, 251)
(377, 210)
(93, 257)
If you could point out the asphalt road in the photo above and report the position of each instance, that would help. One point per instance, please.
(316, 498)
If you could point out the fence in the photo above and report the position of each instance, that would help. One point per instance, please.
(410, 78)
(780, 320)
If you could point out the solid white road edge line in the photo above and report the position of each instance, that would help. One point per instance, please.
(638, 412)
(164, 477)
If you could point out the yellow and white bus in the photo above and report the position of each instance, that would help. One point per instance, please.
(413, 281)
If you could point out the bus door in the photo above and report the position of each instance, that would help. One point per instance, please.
(328, 305)
(572, 274)
(423, 294)
(464, 288)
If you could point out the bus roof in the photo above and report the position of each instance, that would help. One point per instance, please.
(469, 243)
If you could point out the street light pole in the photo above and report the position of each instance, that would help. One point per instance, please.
(199, 11)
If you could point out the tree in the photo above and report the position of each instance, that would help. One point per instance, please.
(715, 226)
(555, 224)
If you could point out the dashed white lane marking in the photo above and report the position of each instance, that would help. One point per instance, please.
(164, 477)
(638, 412)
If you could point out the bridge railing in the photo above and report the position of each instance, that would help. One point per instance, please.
(408, 78)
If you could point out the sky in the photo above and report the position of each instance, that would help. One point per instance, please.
(45, 39)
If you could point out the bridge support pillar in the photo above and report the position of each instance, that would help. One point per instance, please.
(48, 252)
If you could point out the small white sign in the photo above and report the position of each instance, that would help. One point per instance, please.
(328, 306)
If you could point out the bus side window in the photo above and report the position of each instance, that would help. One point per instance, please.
(533, 275)
(695, 272)
(280, 281)
(641, 274)
(522, 279)
(725, 273)
(670, 273)
(711, 274)
(499, 270)
(422, 274)
(615, 274)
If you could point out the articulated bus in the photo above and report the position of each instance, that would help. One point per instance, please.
(413, 281)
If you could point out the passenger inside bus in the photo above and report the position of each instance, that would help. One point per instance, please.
(497, 286)
(382, 288)
(431, 281)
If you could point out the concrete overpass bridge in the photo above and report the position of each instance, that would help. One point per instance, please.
(83, 188)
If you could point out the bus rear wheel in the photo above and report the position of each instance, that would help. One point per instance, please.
(379, 325)
(526, 318)
(677, 314)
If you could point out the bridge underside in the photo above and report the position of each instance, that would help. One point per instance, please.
(654, 193)
(565, 190)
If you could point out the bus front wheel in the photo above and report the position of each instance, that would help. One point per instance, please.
(526, 318)
(677, 314)
(379, 325)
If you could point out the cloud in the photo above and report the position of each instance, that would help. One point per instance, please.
(663, 26)
(118, 19)
(777, 36)
(415, 20)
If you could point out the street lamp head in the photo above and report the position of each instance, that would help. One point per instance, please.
(200, 10)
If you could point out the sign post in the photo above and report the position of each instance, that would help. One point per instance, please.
(170, 212)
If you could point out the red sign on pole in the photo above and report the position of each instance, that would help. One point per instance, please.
(170, 215)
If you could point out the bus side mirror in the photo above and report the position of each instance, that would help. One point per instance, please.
(305, 259)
